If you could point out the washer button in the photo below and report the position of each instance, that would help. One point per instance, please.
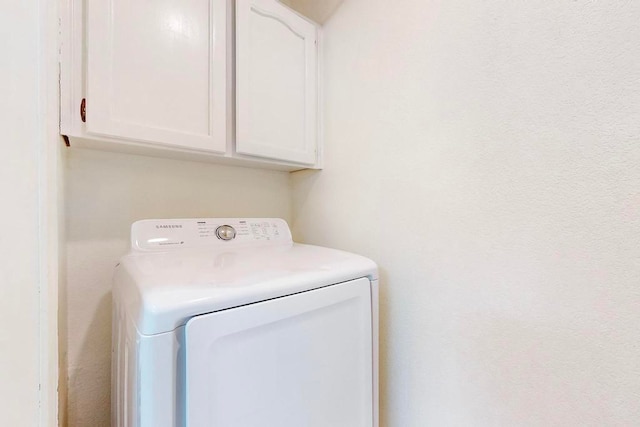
(225, 232)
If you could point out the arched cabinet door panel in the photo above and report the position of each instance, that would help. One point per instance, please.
(276, 82)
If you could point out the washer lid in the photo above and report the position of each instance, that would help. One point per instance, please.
(181, 268)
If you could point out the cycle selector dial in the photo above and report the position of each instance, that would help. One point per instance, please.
(226, 232)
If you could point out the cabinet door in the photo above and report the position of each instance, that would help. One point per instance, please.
(300, 360)
(157, 71)
(276, 82)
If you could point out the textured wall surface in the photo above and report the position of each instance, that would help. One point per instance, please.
(105, 193)
(22, 125)
(487, 155)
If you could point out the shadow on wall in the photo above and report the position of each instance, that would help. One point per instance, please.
(90, 374)
(382, 340)
(317, 10)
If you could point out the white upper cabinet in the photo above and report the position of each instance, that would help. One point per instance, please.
(156, 77)
(276, 82)
(157, 71)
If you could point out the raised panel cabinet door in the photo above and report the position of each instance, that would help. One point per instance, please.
(157, 71)
(276, 82)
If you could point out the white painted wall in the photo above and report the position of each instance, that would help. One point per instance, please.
(487, 155)
(105, 193)
(28, 242)
(19, 251)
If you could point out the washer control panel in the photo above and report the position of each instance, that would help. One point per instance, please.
(165, 234)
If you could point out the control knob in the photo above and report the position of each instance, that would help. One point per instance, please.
(225, 232)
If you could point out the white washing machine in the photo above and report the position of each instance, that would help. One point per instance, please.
(229, 323)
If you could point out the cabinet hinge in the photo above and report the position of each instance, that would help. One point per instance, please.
(83, 109)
